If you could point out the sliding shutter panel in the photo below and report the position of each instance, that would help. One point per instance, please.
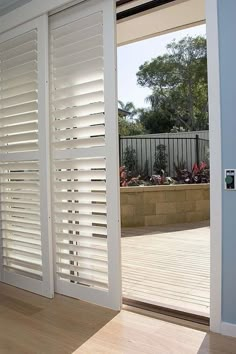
(85, 153)
(25, 231)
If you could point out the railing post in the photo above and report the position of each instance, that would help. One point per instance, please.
(119, 150)
(197, 149)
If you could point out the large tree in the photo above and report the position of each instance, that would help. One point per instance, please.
(178, 80)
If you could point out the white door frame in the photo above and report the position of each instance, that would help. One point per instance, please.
(38, 7)
(216, 165)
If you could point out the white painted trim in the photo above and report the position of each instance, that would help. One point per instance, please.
(112, 297)
(100, 297)
(215, 163)
(22, 282)
(27, 12)
(112, 154)
(228, 329)
(44, 156)
(44, 286)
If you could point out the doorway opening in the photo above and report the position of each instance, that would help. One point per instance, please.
(164, 173)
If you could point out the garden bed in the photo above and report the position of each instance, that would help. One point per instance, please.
(163, 205)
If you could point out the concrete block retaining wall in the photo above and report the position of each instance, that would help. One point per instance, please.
(163, 205)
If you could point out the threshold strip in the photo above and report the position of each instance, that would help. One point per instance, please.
(182, 315)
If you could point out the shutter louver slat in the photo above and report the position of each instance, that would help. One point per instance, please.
(20, 220)
(78, 122)
(21, 108)
(79, 70)
(79, 100)
(20, 80)
(90, 109)
(76, 36)
(23, 147)
(88, 21)
(82, 78)
(89, 260)
(20, 59)
(14, 52)
(80, 186)
(88, 208)
(18, 41)
(18, 71)
(19, 180)
(83, 88)
(18, 119)
(86, 281)
(8, 93)
(18, 99)
(80, 57)
(32, 126)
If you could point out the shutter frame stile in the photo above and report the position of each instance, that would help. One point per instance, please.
(112, 156)
(44, 144)
(84, 167)
(26, 257)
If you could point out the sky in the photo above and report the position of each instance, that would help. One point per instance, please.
(131, 56)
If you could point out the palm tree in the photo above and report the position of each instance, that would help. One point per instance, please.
(129, 108)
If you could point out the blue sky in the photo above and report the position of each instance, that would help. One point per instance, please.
(131, 56)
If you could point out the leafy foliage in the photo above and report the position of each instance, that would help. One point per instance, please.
(128, 125)
(127, 128)
(160, 162)
(156, 120)
(130, 159)
(199, 174)
(178, 80)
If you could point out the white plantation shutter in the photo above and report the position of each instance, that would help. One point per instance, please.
(85, 153)
(25, 231)
(18, 110)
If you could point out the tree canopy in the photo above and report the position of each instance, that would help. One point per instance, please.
(178, 80)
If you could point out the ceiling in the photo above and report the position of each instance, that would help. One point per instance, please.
(171, 17)
(7, 6)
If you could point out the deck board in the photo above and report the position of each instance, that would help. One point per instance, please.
(168, 268)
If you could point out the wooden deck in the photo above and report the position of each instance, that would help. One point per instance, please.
(168, 267)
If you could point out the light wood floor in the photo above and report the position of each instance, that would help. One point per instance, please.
(31, 324)
(168, 266)
(130, 333)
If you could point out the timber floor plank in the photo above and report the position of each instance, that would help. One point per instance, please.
(131, 333)
(31, 324)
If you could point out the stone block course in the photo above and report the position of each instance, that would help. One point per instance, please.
(163, 205)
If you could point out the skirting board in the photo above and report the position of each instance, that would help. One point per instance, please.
(228, 329)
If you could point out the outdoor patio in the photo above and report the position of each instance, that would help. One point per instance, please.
(168, 266)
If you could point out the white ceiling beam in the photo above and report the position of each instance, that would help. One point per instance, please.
(168, 18)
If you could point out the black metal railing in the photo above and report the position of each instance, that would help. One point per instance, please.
(147, 155)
